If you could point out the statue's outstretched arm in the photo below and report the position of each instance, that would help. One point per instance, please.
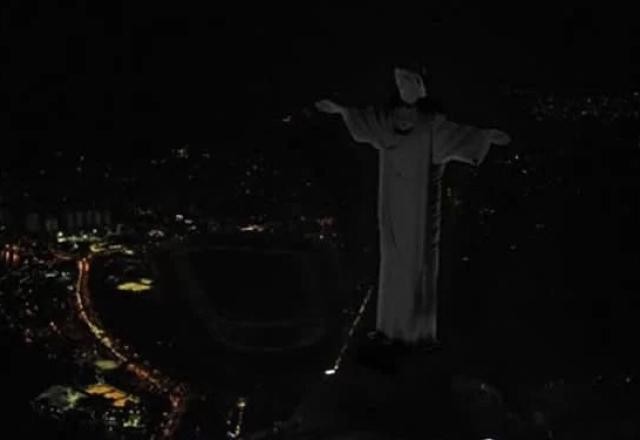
(367, 125)
(464, 143)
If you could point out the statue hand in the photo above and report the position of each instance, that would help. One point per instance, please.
(328, 106)
(499, 137)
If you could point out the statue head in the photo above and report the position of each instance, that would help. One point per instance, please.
(410, 86)
(409, 98)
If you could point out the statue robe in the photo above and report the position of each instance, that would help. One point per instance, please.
(410, 169)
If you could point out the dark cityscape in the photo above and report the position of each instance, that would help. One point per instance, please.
(190, 248)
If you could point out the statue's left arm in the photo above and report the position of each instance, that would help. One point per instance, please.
(463, 143)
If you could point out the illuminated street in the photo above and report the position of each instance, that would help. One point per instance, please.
(175, 394)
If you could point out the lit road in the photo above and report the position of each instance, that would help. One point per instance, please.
(151, 379)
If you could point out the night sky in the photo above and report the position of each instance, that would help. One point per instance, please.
(122, 76)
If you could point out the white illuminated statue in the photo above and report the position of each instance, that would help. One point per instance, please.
(412, 143)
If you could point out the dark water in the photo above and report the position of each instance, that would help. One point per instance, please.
(253, 285)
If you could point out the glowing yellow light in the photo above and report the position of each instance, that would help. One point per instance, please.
(146, 281)
(97, 248)
(98, 389)
(117, 397)
(120, 403)
(106, 364)
(133, 287)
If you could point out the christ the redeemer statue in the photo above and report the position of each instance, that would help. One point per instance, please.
(409, 142)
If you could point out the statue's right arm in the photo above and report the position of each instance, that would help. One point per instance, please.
(366, 125)
(330, 107)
